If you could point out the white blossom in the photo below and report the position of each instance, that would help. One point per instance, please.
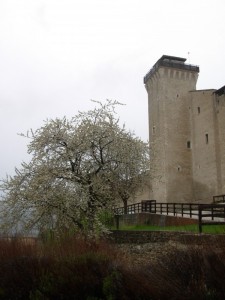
(78, 169)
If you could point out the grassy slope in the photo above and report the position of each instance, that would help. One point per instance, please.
(214, 229)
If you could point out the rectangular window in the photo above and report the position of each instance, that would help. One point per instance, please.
(206, 138)
(188, 144)
(199, 110)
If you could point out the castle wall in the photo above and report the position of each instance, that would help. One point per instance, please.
(186, 134)
(219, 108)
(169, 133)
(157, 137)
(178, 162)
(204, 152)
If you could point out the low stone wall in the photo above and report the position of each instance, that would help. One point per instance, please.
(143, 237)
(144, 247)
(154, 219)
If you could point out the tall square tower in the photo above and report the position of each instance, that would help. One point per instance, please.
(168, 84)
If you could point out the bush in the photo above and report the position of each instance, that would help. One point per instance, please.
(75, 268)
(197, 273)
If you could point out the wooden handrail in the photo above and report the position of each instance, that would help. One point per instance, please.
(212, 211)
(205, 213)
(219, 199)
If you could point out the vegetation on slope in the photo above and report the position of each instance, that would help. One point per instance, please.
(75, 268)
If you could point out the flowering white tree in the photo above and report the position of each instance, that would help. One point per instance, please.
(78, 168)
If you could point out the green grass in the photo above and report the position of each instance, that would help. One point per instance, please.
(213, 229)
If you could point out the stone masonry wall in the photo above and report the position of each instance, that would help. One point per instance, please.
(154, 219)
(141, 247)
(144, 247)
(143, 237)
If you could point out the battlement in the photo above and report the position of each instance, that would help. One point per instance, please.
(171, 62)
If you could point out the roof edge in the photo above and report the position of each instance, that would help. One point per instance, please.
(171, 62)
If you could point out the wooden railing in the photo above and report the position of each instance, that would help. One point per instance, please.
(188, 210)
(219, 199)
(207, 214)
(211, 214)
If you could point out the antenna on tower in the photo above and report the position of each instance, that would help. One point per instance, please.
(189, 61)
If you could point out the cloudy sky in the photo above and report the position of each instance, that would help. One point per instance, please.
(56, 55)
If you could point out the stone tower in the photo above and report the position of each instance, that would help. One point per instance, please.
(168, 84)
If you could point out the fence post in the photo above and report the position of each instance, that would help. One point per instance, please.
(117, 217)
(174, 209)
(200, 219)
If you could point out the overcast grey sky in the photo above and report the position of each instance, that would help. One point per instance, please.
(56, 55)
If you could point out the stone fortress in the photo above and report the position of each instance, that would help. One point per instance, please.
(186, 134)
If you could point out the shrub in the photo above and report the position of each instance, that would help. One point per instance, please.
(75, 268)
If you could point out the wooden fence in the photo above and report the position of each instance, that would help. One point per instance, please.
(188, 210)
(207, 214)
(211, 214)
(219, 199)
